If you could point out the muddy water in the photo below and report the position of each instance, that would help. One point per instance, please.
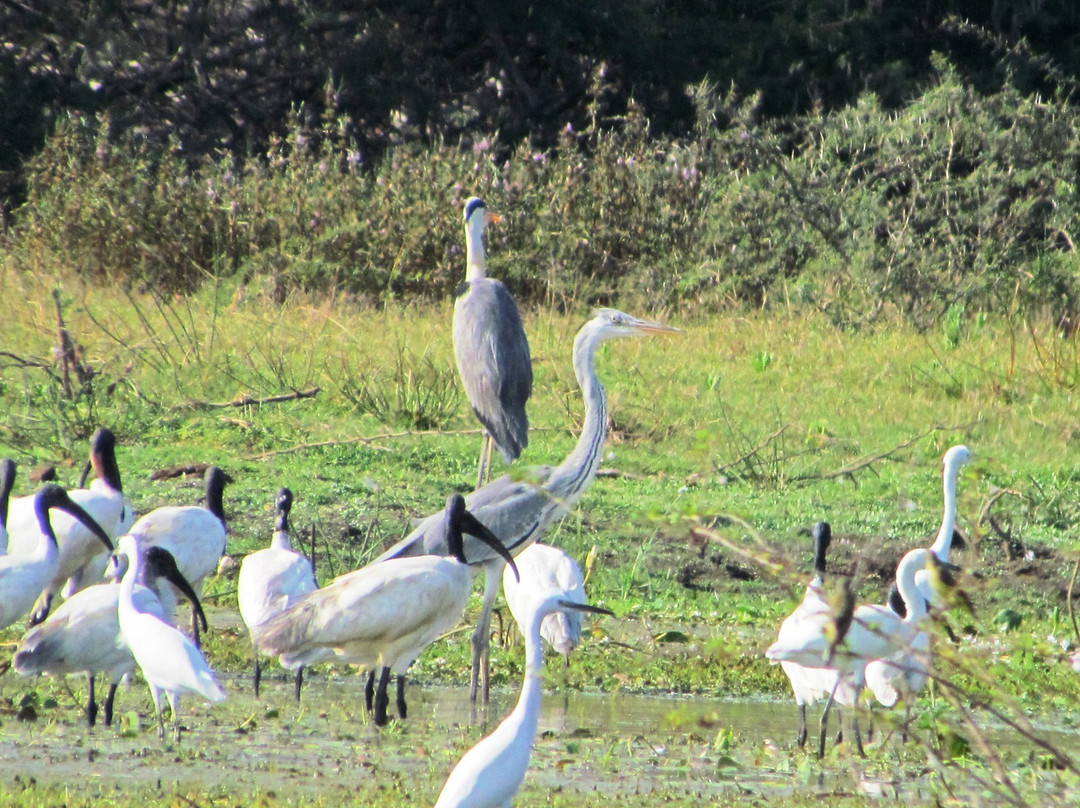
(606, 743)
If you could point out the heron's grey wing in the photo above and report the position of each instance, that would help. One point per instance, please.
(493, 359)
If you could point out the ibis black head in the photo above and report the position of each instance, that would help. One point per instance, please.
(161, 564)
(7, 482)
(459, 520)
(284, 508)
(103, 458)
(215, 487)
(49, 496)
(822, 538)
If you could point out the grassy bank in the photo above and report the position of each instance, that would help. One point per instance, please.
(778, 420)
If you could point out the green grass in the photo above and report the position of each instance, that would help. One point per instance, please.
(743, 415)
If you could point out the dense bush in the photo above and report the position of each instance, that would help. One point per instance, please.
(958, 199)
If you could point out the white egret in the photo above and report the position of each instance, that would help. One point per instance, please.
(169, 661)
(544, 568)
(271, 580)
(81, 558)
(194, 535)
(83, 634)
(382, 616)
(24, 576)
(875, 632)
(520, 511)
(491, 348)
(490, 773)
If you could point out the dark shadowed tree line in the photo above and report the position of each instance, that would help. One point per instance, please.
(224, 76)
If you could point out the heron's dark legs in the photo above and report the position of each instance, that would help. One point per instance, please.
(369, 690)
(801, 737)
(258, 673)
(401, 711)
(855, 731)
(299, 682)
(382, 699)
(484, 471)
(481, 638)
(91, 705)
(109, 704)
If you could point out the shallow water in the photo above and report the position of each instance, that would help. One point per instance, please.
(621, 743)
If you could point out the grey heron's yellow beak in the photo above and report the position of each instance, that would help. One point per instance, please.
(649, 327)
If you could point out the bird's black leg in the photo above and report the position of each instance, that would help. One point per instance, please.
(109, 704)
(91, 705)
(369, 690)
(299, 682)
(839, 726)
(825, 719)
(401, 697)
(382, 698)
(258, 673)
(195, 626)
(801, 737)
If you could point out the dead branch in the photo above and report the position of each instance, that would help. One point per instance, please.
(866, 462)
(1069, 599)
(753, 451)
(245, 400)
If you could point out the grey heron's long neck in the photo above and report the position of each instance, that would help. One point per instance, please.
(570, 479)
(475, 260)
(943, 542)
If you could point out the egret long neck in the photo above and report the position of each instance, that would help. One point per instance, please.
(943, 542)
(475, 260)
(527, 711)
(570, 479)
(126, 603)
(905, 583)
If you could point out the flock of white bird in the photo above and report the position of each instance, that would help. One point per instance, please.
(381, 617)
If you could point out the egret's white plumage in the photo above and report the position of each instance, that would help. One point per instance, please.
(272, 579)
(491, 348)
(194, 535)
(81, 558)
(383, 615)
(876, 632)
(489, 774)
(547, 569)
(954, 459)
(169, 661)
(24, 576)
(83, 634)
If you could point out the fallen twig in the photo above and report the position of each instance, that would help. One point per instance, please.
(866, 462)
(246, 400)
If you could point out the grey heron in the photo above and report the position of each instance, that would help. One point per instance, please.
(489, 774)
(7, 482)
(271, 580)
(384, 615)
(520, 511)
(83, 635)
(490, 347)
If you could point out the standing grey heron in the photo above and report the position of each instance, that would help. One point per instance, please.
(491, 349)
(519, 511)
